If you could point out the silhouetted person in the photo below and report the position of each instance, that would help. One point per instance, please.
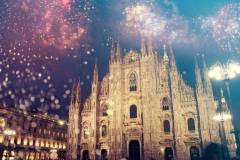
(214, 151)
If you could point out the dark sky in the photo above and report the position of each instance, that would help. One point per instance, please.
(45, 45)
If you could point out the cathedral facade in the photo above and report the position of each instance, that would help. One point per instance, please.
(143, 110)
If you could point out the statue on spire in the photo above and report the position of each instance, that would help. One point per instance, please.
(165, 56)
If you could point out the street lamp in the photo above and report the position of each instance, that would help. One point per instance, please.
(222, 115)
(226, 72)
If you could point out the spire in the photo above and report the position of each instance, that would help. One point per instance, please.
(119, 52)
(75, 95)
(78, 93)
(199, 85)
(143, 47)
(172, 61)
(95, 74)
(112, 56)
(208, 85)
(73, 124)
(165, 56)
(149, 45)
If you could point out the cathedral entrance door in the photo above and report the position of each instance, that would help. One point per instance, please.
(85, 155)
(168, 154)
(194, 153)
(104, 154)
(134, 150)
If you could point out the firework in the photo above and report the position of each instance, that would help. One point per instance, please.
(60, 24)
(167, 29)
(142, 19)
(224, 27)
(32, 34)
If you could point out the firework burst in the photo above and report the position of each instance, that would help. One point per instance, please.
(170, 29)
(224, 27)
(59, 24)
(32, 34)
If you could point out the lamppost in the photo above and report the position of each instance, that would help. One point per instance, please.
(223, 115)
(226, 72)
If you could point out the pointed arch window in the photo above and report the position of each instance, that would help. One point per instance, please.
(191, 124)
(165, 104)
(133, 111)
(166, 126)
(133, 82)
(104, 131)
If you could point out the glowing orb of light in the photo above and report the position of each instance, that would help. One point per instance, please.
(225, 71)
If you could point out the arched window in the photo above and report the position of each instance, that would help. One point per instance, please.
(133, 111)
(104, 131)
(191, 124)
(132, 83)
(85, 132)
(165, 104)
(166, 126)
(104, 111)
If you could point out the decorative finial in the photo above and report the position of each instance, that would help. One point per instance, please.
(165, 56)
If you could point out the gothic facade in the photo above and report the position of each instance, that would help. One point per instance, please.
(143, 109)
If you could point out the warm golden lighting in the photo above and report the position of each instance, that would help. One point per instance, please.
(1, 138)
(37, 143)
(64, 146)
(42, 143)
(47, 144)
(12, 140)
(2, 123)
(19, 140)
(25, 141)
(52, 145)
(61, 122)
(9, 132)
(30, 142)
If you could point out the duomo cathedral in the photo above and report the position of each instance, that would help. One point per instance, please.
(143, 110)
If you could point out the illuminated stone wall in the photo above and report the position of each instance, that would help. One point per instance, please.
(143, 101)
(24, 134)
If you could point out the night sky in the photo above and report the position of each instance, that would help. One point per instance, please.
(47, 44)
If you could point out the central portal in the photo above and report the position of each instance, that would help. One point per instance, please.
(134, 150)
